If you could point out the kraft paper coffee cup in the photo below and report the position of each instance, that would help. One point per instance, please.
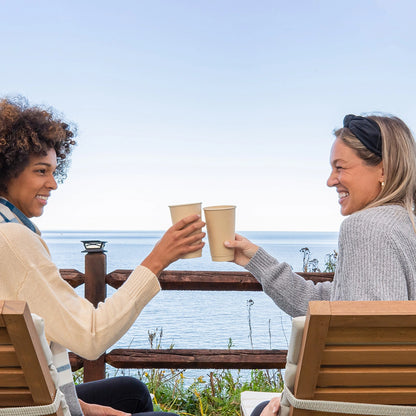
(177, 212)
(220, 222)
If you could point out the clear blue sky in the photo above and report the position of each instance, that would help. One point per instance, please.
(223, 102)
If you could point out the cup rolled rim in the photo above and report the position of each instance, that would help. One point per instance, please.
(219, 207)
(184, 205)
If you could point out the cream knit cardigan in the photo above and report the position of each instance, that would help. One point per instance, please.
(28, 273)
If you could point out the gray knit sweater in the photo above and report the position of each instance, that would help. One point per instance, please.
(377, 261)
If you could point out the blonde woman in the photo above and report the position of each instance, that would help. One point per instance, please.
(373, 162)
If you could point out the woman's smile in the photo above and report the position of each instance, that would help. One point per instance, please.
(342, 196)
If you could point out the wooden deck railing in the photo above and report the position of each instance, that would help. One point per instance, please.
(96, 279)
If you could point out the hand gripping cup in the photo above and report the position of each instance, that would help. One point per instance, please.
(177, 212)
(220, 222)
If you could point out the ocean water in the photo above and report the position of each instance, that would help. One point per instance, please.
(198, 319)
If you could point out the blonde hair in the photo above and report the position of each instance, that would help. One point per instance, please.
(399, 162)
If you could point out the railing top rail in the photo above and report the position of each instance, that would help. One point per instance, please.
(192, 280)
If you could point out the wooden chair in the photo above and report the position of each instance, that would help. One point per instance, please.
(356, 352)
(25, 379)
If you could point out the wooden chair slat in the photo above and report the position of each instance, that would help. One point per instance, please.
(388, 321)
(369, 355)
(12, 377)
(369, 336)
(367, 376)
(368, 309)
(380, 395)
(4, 337)
(15, 398)
(8, 357)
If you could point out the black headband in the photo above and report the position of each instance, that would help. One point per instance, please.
(366, 130)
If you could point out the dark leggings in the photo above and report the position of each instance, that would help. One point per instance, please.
(122, 393)
(259, 408)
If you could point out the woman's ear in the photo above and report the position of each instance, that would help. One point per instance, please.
(382, 172)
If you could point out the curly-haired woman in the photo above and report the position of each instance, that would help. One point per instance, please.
(35, 146)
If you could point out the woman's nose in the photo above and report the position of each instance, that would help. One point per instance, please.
(52, 184)
(332, 180)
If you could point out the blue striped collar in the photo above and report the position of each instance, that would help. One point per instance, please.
(9, 213)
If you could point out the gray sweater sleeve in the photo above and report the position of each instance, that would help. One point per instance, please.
(288, 290)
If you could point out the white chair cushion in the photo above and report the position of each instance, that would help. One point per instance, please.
(295, 344)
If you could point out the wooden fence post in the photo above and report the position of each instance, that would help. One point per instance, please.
(95, 292)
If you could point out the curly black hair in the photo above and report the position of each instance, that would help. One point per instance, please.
(27, 131)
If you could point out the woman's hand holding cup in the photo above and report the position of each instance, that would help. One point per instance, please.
(180, 239)
(244, 249)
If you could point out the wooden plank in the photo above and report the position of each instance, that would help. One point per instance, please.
(369, 355)
(381, 395)
(188, 358)
(94, 370)
(190, 280)
(12, 377)
(207, 280)
(15, 398)
(76, 361)
(95, 269)
(4, 337)
(239, 281)
(8, 357)
(369, 336)
(148, 358)
(387, 320)
(367, 376)
(342, 309)
(317, 277)
(73, 277)
(314, 335)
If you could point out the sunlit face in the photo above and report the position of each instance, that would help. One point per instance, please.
(31, 189)
(357, 183)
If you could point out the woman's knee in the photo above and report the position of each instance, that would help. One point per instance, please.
(131, 384)
(135, 390)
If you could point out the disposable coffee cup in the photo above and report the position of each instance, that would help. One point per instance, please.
(220, 222)
(177, 212)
